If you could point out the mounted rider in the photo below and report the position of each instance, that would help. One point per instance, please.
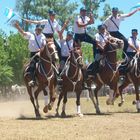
(133, 48)
(80, 24)
(66, 47)
(112, 24)
(36, 41)
(51, 26)
(101, 40)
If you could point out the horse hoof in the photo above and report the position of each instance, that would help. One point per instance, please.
(138, 110)
(45, 109)
(63, 114)
(49, 107)
(38, 116)
(57, 114)
(119, 104)
(80, 115)
(98, 112)
(109, 102)
(134, 103)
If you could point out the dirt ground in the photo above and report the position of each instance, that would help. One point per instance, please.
(17, 122)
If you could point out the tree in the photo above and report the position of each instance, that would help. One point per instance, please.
(6, 72)
(18, 55)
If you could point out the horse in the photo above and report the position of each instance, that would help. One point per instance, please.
(72, 80)
(132, 76)
(108, 73)
(45, 75)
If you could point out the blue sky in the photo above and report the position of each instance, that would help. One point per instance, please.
(124, 5)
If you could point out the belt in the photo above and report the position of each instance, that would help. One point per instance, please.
(48, 35)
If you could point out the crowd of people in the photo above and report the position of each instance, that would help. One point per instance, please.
(110, 27)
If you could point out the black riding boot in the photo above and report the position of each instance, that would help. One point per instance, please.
(84, 85)
(95, 69)
(32, 68)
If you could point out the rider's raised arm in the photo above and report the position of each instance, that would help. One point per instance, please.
(131, 13)
(36, 21)
(20, 30)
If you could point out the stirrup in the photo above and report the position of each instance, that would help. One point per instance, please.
(31, 83)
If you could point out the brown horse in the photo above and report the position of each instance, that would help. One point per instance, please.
(132, 76)
(45, 77)
(108, 73)
(72, 80)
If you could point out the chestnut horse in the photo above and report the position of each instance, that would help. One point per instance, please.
(132, 76)
(108, 73)
(45, 76)
(72, 79)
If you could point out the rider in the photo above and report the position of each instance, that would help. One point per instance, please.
(112, 24)
(66, 46)
(36, 41)
(80, 24)
(133, 48)
(101, 39)
(50, 27)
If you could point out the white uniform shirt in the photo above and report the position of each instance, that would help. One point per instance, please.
(101, 38)
(64, 47)
(47, 28)
(33, 46)
(111, 27)
(131, 41)
(80, 20)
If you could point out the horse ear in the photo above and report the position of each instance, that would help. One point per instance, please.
(77, 44)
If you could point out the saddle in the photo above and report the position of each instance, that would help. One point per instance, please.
(94, 68)
(124, 67)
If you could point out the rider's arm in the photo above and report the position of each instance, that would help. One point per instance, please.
(99, 46)
(80, 23)
(131, 13)
(34, 21)
(91, 21)
(20, 30)
(131, 45)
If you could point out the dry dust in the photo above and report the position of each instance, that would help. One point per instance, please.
(17, 122)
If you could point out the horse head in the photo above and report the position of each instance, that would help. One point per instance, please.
(76, 57)
(115, 43)
(52, 49)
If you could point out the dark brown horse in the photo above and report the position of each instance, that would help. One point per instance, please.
(72, 80)
(108, 73)
(45, 77)
(132, 76)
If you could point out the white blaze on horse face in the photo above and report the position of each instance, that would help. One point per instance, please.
(55, 52)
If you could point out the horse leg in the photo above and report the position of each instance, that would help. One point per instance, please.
(58, 104)
(36, 93)
(29, 89)
(45, 109)
(124, 85)
(52, 96)
(91, 95)
(96, 97)
(78, 93)
(137, 97)
(63, 114)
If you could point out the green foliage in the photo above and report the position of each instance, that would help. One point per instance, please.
(18, 55)
(87, 50)
(6, 72)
